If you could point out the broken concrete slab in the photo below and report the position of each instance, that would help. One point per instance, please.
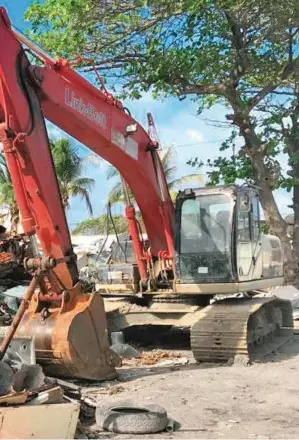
(34, 378)
(21, 348)
(6, 378)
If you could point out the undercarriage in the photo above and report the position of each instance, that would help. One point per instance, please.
(249, 326)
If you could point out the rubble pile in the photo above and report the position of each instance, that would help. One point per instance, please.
(11, 292)
(22, 383)
(5, 314)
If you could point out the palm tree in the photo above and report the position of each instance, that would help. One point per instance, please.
(7, 196)
(167, 157)
(69, 168)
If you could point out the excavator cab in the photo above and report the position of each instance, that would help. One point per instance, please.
(219, 244)
(221, 250)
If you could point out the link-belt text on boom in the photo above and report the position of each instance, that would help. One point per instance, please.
(85, 109)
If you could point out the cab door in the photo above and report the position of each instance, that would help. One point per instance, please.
(244, 236)
(249, 257)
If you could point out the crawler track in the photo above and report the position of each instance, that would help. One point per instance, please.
(249, 327)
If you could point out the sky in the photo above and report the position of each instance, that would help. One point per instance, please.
(177, 125)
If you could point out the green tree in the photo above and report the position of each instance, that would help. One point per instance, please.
(231, 52)
(7, 197)
(278, 125)
(69, 167)
(99, 225)
(168, 157)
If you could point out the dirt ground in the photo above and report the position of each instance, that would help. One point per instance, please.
(212, 401)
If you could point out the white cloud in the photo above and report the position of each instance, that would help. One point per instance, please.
(194, 135)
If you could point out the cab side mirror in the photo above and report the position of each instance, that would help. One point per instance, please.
(244, 203)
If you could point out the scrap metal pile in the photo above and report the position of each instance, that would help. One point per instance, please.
(13, 250)
(26, 393)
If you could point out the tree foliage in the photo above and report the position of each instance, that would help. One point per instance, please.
(69, 169)
(99, 225)
(185, 47)
(241, 54)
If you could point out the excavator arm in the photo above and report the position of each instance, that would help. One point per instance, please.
(70, 325)
(95, 118)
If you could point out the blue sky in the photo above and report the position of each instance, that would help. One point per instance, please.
(177, 125)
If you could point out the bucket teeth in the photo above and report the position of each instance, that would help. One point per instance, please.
(249, 327)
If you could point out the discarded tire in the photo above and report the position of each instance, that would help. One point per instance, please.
(132, 419)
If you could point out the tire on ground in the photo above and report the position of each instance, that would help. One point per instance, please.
(132, 419)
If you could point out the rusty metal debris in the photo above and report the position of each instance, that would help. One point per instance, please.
(5, 257)
(23, 389)
(20, 313)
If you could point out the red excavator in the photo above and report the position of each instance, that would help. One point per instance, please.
(209, 244)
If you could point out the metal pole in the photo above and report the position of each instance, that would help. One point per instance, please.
(20, 313)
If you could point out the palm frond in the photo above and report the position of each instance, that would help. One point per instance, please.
(83, 182)
(69, 168)
(167, 156)
(186, 179)
(84, 194)
(3, 160)
(111, 172)
(170, 172)
(3, 176)
(173, 193)
(116, 194)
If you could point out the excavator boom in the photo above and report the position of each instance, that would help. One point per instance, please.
(61, 315)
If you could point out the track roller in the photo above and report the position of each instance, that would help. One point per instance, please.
(240, 326)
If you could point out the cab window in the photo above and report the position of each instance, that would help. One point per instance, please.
(255, 217)
(243, 221)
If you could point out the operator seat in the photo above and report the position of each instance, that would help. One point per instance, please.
(221, 229)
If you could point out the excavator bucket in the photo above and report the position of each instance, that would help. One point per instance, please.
(249, 327)
(71, 339)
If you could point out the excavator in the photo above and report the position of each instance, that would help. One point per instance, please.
(209, 244)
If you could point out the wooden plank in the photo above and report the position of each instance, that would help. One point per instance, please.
(56, 421)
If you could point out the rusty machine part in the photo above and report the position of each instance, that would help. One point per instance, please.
(54, 319)
(20, 313)
(247, 327)
(70, 335)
